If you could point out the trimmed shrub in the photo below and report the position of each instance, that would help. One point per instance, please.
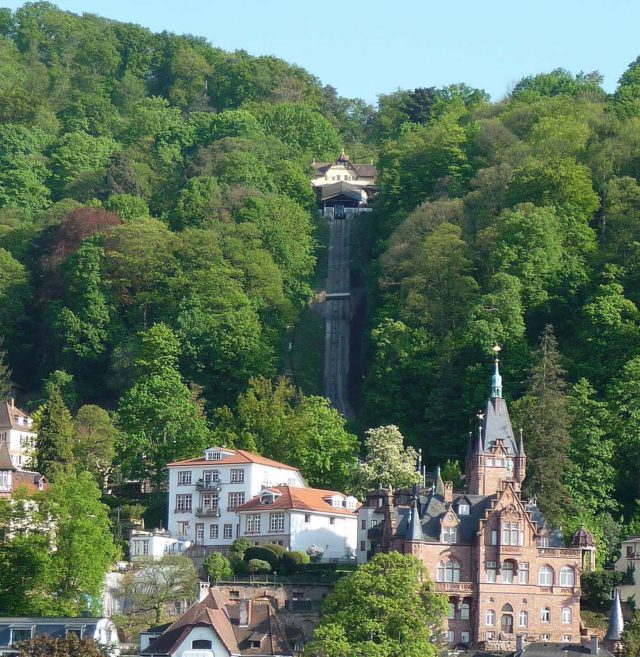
(294, 562)
(258, 566)
(278, 550)
(263, 553)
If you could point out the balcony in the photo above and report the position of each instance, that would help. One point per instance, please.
(203, 485)
(454, 587)
(209, 512)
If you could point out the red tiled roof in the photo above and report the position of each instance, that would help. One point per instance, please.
(238, 456)
(300, 499)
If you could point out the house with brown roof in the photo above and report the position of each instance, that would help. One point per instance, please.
(12, 477)
(321, 522)
(213, 628)
(16, 431)
(205, 492)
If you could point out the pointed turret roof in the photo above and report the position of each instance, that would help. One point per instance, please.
(496, 422)
(414, 528)
(521, 445)
(439, 483)
(5, 458)
(616, 622)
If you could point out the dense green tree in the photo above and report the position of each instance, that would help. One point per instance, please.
(217, 567)
(387, 608)
(94, 445)
(54, 444)
(71, 645)
(160, 419)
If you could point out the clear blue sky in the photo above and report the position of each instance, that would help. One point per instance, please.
(364, 48)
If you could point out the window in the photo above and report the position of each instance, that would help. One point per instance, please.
(494, 537)
(464, 637)
(214, 531)
(545, 576)
(363, 524)
(183, 502)
(210, 500)
(235, 499)
(507, 572)
(237, 476)
(3, 438)
(451, 611)
(450, 534)
(200, 644)
(543, 542)
(213, 456)
(199, 532)
(510, 533)
(523, 573)
(332, 521)
(464, 611)
(523, 619)
(566, 638)
(307, 518)
(544, 637)
(373, 523)
(545, 615)
(491, 568)
(489, 635)
(145, 547)
(5, 480)
(448, 572)
(463, 509)
(184, 478)
(491, 617)
(451, 637)
(20, 635)
(363, 546)
(183, 527)
(253, 523)
(276, 522)
(228, 531)
(211, 476)
(567, 576)
(566, 615)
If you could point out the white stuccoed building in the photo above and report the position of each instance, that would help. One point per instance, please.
(16, 431)
(302, 519)
(205, 492)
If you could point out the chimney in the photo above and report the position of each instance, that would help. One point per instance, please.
(594, 644)
(245, 613)
(448, 492)
(519, 643)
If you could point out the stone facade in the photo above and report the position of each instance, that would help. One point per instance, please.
(505, 572)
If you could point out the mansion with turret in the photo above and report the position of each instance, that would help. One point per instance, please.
(505, 571)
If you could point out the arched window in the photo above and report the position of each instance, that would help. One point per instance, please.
(566, 615)
(545, 615)
(523, 619)
(507, 608)
(491, 617)
(200, 644)
(452, 611)
(567, 576)
(507, 572)
(545, 576)
(464, 611)
(448, 572)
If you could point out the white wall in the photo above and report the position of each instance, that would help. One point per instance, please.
(335, 539)
(371, 517)
(331, 176)
(256, 476)
(218, 648)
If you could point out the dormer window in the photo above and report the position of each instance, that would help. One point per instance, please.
(463, 509)
(450, 534)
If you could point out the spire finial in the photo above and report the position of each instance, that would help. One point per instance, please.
(521, 445)
(616, 622)
(496, 379)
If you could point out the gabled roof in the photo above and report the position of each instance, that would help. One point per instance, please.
(5, 458)
(237, 457)
(8, 413)
(298, 499)
(223, 619)
(343, 188)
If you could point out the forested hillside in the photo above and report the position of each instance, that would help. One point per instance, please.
(515, 223)
(158, 239)
(157, 225)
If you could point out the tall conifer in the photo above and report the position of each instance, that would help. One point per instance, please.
(55, 436)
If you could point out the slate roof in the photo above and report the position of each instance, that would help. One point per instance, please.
(223, 618)
(5, 458)
(616, 622)
(560, 650)
(343, 188)
(497, 424)
(296, 498)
